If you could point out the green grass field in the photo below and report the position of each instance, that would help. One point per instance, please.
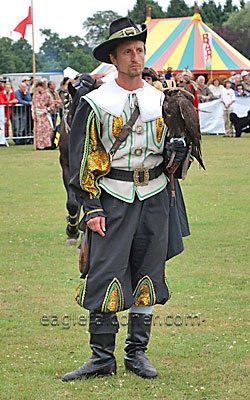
(200, 338)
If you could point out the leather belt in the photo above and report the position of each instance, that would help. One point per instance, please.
(140, 176)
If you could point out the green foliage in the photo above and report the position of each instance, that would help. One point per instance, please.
(229, 7)
(23, 52)
(97, 27)
(236, 30)
(16, 56)
(178, 8)
(198, 358)
(211, 13)
(138, 14)
(239, 20)
(50, 51)
(81, 61)
(56, 53)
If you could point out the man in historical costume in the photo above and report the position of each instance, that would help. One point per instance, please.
(125, 194)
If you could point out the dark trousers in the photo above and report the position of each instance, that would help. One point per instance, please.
(134, 247)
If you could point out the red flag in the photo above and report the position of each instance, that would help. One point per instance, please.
(21, 27)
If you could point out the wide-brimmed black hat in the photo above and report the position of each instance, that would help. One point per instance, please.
(120, 30)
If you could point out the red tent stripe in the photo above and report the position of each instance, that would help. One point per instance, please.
(151, 25)
(198, 46)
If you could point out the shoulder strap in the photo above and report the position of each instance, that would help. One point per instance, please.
(126, 130)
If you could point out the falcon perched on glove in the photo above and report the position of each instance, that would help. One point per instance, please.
(183, 122)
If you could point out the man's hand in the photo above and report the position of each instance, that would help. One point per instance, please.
(176, 150)
(97, 224)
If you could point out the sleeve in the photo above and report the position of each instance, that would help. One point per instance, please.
(77, 144)
(20, 99)
(3, 100)
(195, 99)
(12, 96)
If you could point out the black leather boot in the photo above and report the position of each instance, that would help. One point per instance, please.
(139, 326)
(103, 328)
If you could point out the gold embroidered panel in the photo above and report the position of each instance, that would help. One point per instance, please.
(159, 128)
(95, 162)
(114, 299)
(117, 126)
(144, 293)
(80, 293)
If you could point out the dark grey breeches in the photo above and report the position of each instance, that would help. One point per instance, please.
(135, 248)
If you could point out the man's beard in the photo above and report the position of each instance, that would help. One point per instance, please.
(133, 72)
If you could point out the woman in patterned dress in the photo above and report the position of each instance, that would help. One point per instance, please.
(42, 104)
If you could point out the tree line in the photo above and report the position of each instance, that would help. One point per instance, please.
(229, 21)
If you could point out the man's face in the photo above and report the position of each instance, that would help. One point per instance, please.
(23, 88)
(201, 81)
(186, 78)
(52, 86)
(130, 57)
(7, 87)
(237, 78)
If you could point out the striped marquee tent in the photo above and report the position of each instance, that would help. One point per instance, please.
(187, 43)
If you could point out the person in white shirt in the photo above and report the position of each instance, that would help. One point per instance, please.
(228, 99)
(216, 88)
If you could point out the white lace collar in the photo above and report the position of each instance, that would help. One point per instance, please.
(112, 98)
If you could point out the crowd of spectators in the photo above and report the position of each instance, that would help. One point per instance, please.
(20, 113)
(202, 90)
(22, 108)
(219, 88)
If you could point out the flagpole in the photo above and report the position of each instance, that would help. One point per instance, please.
(34, 77)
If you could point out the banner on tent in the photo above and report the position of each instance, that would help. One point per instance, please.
(207, 50)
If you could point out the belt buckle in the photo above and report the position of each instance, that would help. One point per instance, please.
(137, 181)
